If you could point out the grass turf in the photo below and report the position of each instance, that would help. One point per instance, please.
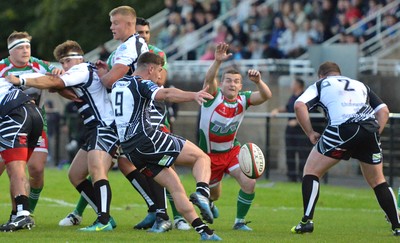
(342, 214)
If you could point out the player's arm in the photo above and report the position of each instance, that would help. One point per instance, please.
(42, 82)
(382, 116)
(178, 96)
(381, 110)
(303, 119)
(264, 93)
(211, 76)
(116, 72)
(301, 107)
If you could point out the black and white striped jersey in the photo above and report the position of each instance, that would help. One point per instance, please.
(10, 97)
(344, 100)
(96, 109)
(128, 53)
(131, 97)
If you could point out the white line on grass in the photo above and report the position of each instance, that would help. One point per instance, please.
(67, 204)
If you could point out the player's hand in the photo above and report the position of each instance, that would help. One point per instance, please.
(274, 112)
(101, 65)
(203, 96)
(221, 52)
(254, 75)
(12, 79)
(69, 94)
(57, 72)
(314, 137)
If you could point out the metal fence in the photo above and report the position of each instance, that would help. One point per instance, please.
(268, 132)
(263, 129)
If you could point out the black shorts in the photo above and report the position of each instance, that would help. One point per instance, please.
(358, 141)
(101, 138)
(153, 152)
(20, 130)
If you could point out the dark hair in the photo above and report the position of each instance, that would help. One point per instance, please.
(231, 71)
(300, 82)
(142, 21)
(149, 58)
(328, 67)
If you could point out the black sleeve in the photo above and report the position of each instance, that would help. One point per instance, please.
(374, 100)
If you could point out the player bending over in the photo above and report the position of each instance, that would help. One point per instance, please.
(153, 151)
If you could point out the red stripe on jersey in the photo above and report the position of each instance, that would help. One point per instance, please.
(222, 139)
(228, 112)
(36, 65)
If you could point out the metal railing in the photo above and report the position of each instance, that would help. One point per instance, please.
(271, 129)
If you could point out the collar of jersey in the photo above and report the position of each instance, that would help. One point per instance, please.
(231, 101)
(26, 64)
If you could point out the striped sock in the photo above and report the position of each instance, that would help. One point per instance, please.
(34, 195)
(310, 191)
(201, 227)
(243, 204)
(203, 188)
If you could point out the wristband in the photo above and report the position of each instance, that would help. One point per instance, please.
(22, 81)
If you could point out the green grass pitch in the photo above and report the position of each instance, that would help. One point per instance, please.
(342, 215)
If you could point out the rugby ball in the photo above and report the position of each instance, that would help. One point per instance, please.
(251, 160)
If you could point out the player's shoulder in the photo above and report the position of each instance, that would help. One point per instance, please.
(156, 50)
(37, 60)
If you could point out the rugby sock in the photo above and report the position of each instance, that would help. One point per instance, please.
(34, 195)
(243, 204)
(398, 198)
(310, 190)
(175, 212)
(162, 213)
(387, 201)
(22, 203)
(13, 215)
(159, 198)
(80, 206)
(139, 182)
(102, 192)
(85, 188)
(201, 227)
(203, 189)
(82, 203)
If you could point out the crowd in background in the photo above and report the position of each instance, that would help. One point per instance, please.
(260, 30)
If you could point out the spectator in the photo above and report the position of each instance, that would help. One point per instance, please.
(237, 33)
(168, 36)
(296, 141)
(299, 14)
(190, 37)
(221, 32)
(209, 54)
(278, 30)
(266, 18)
(293, 41)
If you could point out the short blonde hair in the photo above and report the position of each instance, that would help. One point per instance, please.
(123, 10)
(18, 35)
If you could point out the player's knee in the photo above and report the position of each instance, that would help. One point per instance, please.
(36, 171)
(248, 185)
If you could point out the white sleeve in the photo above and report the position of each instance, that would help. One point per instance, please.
(127, 54)
(78, 74)
(153, 95)
(310, 97)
